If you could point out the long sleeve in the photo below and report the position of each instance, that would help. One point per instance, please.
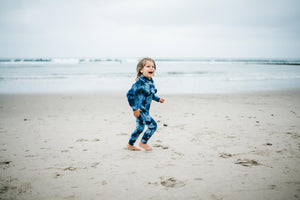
(141, 94)
(131, 97)
(156, 98)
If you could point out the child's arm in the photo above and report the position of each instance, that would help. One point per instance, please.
(158, 99)
(131, 96)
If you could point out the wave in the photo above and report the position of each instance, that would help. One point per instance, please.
(179, 76)
(58, 60)
(78, 76)
(121, 60)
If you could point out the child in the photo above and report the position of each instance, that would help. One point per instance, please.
(139, 98)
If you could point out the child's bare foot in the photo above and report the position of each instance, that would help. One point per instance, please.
(133, 148)
(145, 146)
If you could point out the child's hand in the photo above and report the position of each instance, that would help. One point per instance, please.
(161, 100)
(137, 112)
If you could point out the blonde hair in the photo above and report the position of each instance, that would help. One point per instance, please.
(141, 65)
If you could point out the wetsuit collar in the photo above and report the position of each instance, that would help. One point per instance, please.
(143, 78)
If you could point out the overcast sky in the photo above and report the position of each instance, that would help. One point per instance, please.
(155, 28)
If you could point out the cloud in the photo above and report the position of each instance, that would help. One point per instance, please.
(183, 28)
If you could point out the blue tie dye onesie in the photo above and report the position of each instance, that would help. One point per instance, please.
(140, 96)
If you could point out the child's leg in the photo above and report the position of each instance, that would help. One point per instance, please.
(152, 126)
(139, 129)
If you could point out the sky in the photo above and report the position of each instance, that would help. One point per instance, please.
(154, 28)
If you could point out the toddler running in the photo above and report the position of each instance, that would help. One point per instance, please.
(139, 98)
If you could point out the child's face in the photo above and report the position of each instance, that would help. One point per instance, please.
(148, 69)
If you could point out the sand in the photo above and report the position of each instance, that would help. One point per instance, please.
(209, 146)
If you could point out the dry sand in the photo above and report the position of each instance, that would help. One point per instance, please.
(72, 146)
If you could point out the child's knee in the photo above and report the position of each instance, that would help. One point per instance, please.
(140, 128)
(153, 125)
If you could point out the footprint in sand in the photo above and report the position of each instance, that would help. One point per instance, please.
(70, 169)
(228, 118)
(10, 186)
(2, 130)
(5, 164)
(247, 162)
(268, 144)
(81, 140)
(293, 112)
(161, 146)
(171, 182)
(198, 179)
(272, 187)
(154, 183)
(122, 134)
(104, 182)
(85, 140)
(58, 175)
(177, 155)
(94, 165)
(31, 156)
(225, 155)
(215, 197)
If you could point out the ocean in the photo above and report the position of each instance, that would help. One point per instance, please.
(173, 76)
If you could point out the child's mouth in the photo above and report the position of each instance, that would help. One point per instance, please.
(150, 72)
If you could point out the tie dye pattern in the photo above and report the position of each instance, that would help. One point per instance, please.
(140, 96)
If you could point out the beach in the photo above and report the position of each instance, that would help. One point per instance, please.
(228, 127)
(207, 146)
